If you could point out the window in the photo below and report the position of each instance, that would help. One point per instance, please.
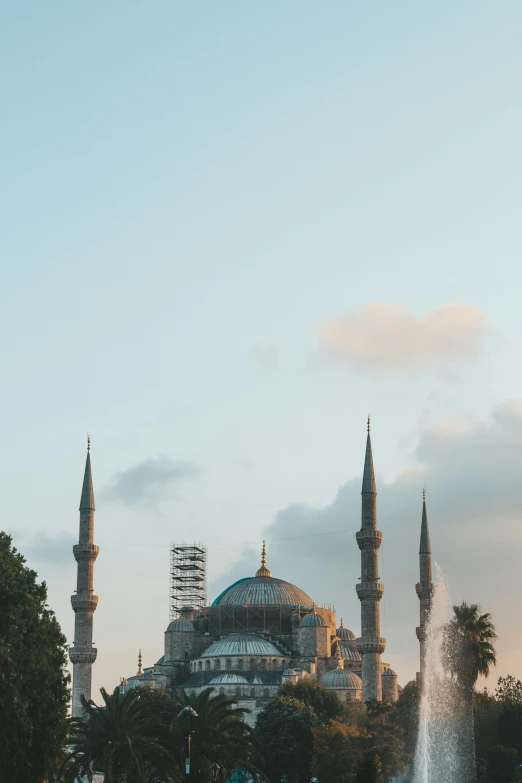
(239, 663)
(200, 666)
(252, 693)
(217, 664)
(238, 690)
(252, 663)
(274, 664)
(262, 664)
(207, 664)
(266, 693)
(283, 664)
(228, 664)
(221, 691)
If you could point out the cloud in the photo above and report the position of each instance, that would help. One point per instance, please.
(148, 482)
(265, 356)
(382, 337)
(472, 471)
(42, 547)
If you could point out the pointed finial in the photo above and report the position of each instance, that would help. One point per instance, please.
(88, 442)
(340, 662)
(139, 672)
(342, 624)
(425, 545)
(368, 426)
(263, 571)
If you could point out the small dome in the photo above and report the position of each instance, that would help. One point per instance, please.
(345, 634)
(341, 679)
(289, 673)
(181, 625)
(229, 679)
(349, 652)
(389, 673)
(313, 619)
(242, 644)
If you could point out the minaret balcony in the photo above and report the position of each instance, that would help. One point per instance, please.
(421, 633)
(424, 590)
(82, 654)
(368, 539)
(85, 552)
(371, 644)
(370, 591)
(84, 602)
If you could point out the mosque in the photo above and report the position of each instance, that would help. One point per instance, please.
(261, 631)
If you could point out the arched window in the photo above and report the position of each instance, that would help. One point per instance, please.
(239, 663)
(186, 656)
(262, 664)
(283, 664)
(221, 691)
(207, 664)
(274, 664)
(252, 693)
(238, 690)
(252, 663)
(228, 664)
(217, 664)
(266, 693)
(200, 666)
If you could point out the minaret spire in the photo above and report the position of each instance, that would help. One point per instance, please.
(371, 645)
(139, 672)
(263, 571)
(425, 587)
(84, 602)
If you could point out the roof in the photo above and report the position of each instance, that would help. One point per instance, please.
(389, 672)
(425, 545)
(368, 483)
(289, 673)
(181, 625)
(229, 678)
(312, 619)
(341, 679)
(349, 651)
(242, 644)
(87, 498)
(262, 590)
(345, 635)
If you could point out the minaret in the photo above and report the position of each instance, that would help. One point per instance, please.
(371, 645)
(84, 602)
(425, 587)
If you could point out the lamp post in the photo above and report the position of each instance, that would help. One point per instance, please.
(187, 718)
(215, 769)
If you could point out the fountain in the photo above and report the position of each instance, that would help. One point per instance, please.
(442, 754)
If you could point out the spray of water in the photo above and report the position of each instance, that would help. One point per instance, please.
(444, 735)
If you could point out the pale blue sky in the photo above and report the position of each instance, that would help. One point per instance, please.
(185, 182)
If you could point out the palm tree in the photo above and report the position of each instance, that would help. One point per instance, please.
(468, 652)
(221, 736)
(126, 739)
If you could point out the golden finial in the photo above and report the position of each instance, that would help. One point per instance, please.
(139, 672)
(88, 442)
(263, 571)
(368, 425)
(340, 662)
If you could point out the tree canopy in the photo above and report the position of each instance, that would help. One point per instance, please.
(33, 680)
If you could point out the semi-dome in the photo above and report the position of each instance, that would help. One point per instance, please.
(229, 679)
(345, 634)
(242, 644)
(181, 625)
(263, 589)
(312, 619)
(349, 651)
(341, 679)
(389, 672)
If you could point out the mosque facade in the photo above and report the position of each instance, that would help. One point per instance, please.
(262, 631)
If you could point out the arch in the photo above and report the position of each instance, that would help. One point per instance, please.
(283, 664)
(239, 663)
(238, 690)
(266, 693)
(217, 664)
(228, 664)
(274, 664)
(252, 693)
(200, 666)
(207, 664)
(221, 691)
(262, 664)
(252, 663)
(186, 656)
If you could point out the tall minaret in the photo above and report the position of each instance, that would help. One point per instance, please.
(84, 602)
(371, 645)
(425, 587)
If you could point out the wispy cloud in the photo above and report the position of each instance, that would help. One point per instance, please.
(149, 481)
(383, 337)
(46, 548)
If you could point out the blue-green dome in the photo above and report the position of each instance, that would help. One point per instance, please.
(341, 679)
(242, 644)
(312, 619)
(181, 625)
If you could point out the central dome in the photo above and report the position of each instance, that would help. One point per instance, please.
(264, 589)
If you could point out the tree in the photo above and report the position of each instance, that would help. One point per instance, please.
(284, 730)
(406, 715)
(338, 751)
(325, 704)
(509, 696)
(468, 652)
(502, 764)
(486, 710)
(33, 681)
(126, 739)
(221, 736)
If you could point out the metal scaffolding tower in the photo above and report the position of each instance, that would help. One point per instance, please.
(188, 578)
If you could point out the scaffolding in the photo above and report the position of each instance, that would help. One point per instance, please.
(188, 579)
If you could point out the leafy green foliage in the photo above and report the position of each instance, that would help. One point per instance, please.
(325, 704)
(468, 645)
(33, 681)
(284, 730)
(406, 715)
(502, 764)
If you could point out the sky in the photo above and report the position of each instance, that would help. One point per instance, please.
(229, 232)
